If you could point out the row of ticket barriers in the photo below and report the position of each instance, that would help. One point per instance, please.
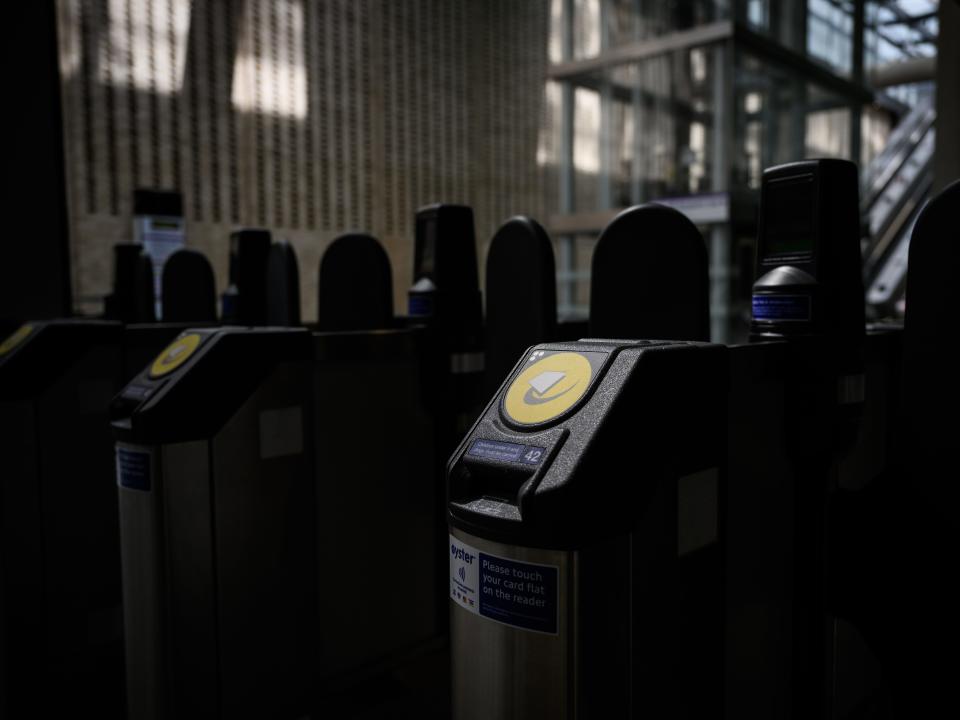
(490, 514)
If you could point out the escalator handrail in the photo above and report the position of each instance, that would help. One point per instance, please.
(887, 164)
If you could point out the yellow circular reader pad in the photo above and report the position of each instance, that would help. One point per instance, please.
(547, 388)
(175, 355)
(18, 337)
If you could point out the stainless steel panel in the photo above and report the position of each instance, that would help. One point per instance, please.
(189, 593)
(141, 560)
(509, 673)
(264, 534)
(377, 508)
(759, 535)
(168, 596)
(21, 555)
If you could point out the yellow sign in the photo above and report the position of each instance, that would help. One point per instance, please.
(548, 387)
(176, 354)
(13, 340)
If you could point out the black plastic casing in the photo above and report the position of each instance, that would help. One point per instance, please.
(445, 255)
(521, 295)
(58, 522)
(808, 259)
(132, 298)
(51, 347)
(189, 289)
(245, 300)
(355, 288)
(809, 219)
(194, 400)
(650, 277)
(445, 299)
(654, 411)
(804, 393)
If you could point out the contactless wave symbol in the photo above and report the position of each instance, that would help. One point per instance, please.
(541, 384)
(462, 572)
(174, 353)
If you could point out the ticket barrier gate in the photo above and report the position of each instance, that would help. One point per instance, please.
(132, 298)
(445, 300)
(374, 426)
(58, 570)
(188, 288)
(860, 685)
(445, 303)
(560, 562)
(244, 302)
(797, 398)
(764, 587)
(371, 453)
(894, 533)
(61, 620)
(521, 295)
(376, 509)
(547, 514)
(283, 286)
(794, 406)
(61, 551)
(215, 486)
(355, 285)
(650, 277)
(279, 608)
(925, 602)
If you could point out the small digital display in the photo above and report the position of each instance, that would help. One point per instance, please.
(788, 216)
(781, 307)
(138, 392)
(506, 452)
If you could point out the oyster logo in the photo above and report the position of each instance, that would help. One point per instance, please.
(548, 387)
(175, 355)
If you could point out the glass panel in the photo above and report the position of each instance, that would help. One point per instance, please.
(828, 133)
(830, 34)
(608, 24)
(780, 20)
(780, 118)
(875, 128)
(586, 148)
(549, 147)
(644, 130)
(555, 42)
(899, 30)
(575, 254)
(586, 28)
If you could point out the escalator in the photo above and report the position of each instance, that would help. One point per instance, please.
(896, 186)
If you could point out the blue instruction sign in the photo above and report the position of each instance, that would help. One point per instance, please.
(133, 468)
(515, 593)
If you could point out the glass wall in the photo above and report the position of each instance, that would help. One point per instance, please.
(780, 117)
(643, 130)
(610, 24)
(895, 31)
(653, 100)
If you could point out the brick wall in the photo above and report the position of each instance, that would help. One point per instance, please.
(306, 117)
